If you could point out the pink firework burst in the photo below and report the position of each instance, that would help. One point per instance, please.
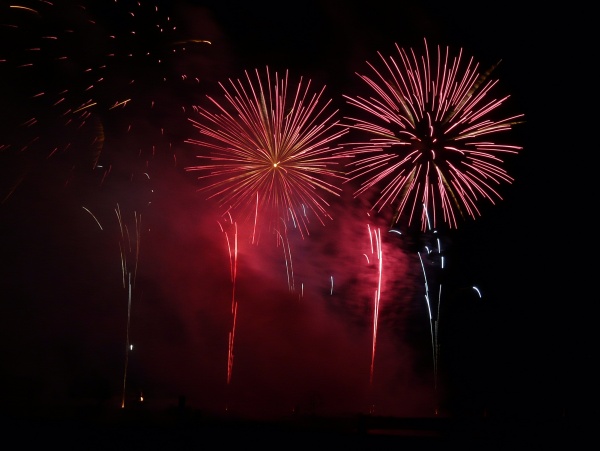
(429, 125)
(268, 150)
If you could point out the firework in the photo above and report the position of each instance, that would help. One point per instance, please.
(377, 252)
(268, 150)
(130, 235)
(129, 273)
(76, 73)
(144, 60)
(429, 125)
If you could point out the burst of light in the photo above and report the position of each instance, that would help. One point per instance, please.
(268, 149)
(427, 131)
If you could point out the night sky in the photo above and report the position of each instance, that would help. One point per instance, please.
(303, 337)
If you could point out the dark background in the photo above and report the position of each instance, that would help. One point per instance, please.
(520, 351)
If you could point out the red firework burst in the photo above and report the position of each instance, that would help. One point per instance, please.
(430, 125)
(268, 150)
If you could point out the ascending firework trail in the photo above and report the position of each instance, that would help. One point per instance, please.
(129, 245)
(231, 238)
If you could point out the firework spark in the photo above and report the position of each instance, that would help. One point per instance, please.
(61, 97)
(430, 123)
(268, 150)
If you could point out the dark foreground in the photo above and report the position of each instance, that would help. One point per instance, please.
(182, 430)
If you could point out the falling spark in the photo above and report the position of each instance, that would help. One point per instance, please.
(430, 125)
(96, 219)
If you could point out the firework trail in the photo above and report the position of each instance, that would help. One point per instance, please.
(233, 257)
(434, 259)
(229, 228)
(146, 62)
(268, 150)
(129, 245)
(129, 251)
(377, 252)
(429, 124)
(283, 240)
